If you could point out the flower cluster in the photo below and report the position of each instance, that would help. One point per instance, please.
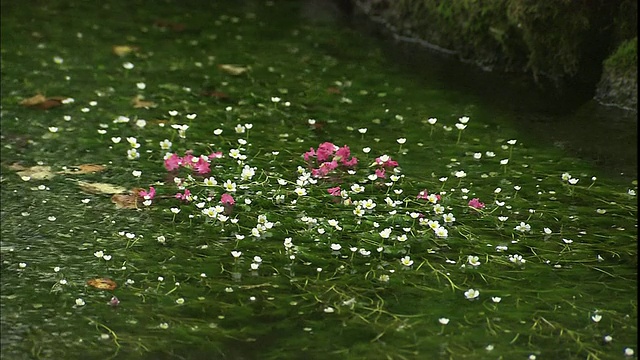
(199, 164)
(383, 164)
(329, 157)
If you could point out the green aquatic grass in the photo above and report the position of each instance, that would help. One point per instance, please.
(183, 294)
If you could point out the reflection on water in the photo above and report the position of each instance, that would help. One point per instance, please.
(565, 117)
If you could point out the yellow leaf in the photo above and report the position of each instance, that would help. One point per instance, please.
(233, 69)
(102, 283)
(101, 188)
(138, 102)
(35, 172)
(122, 50)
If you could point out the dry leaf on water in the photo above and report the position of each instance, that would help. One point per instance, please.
(83, 169)
(127, 201)
(101, 188)
(39, 101)
(37, 172)
(138, 102)
(102, 283)
(173, 26)
(122, 50)
(233, 69)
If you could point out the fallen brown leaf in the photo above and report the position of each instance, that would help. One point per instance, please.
(101, 188)
(39, 101)
(123, 50)
(37, 172)
(125, 201)
(83, 169)
(217, 94)
(138, 102)
(173, 26)
(102, 283)
(233, 69)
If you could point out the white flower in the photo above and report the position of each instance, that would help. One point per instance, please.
(566, 176)
(385, 233)
(464, 119)
(473, 260)
(461, 126)
(523, 227)
(180, 301)
(496, 299)
(432, 121)
(80, 302)
(136, 173)
(357, 188)
(460, 174)
(448, 218)
(236, 254)
(443, 321)
(547, 231)
(401, 141)
(99, 254)
(441, 232)
(406, 261)
(629, 352)
(300, 191)
(512, 142)
(128, 65)
(517, 259)
(329, 310)
(504, 161)
(471, 294)
(229, 186)
(163, 326)
(596, 317)
(132, 154)
(573, 181)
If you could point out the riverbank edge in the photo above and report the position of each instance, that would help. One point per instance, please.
(506, 36)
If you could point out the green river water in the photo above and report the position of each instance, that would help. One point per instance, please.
(396, 265)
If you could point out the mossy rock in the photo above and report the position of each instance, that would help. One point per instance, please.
(618, 85)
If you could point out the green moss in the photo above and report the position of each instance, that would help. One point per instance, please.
(554, 38)
(625, 57)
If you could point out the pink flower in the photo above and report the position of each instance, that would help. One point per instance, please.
(334, 191)
(387, 164)
(172, 162)
(227, 199)
(186, 196)
(351, 163)
(325, 150)
(202, 166)
(147, 195)
(476, 204)
(309, 154)
(343, 153)
(422, 194)
(380, 173)
(187, 160)
(215, 155)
